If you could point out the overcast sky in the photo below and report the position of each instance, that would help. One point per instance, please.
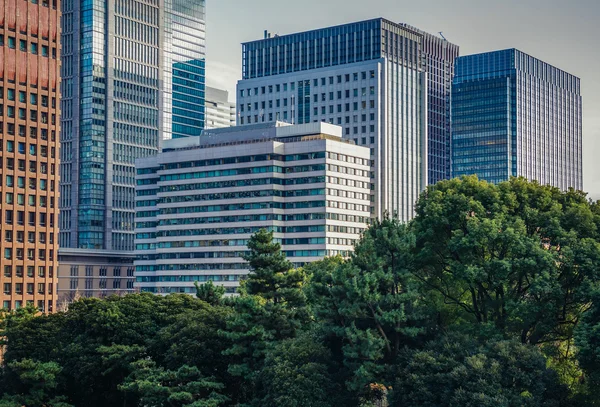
(563, 33)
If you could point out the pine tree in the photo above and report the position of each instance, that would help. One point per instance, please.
(210, 293)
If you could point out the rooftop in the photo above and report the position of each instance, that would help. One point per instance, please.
(253, 133)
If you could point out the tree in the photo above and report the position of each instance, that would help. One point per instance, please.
(185, 387)
(587, 339)
(272, 276)
(297, 374)
(456, 370)
(369, 302)
(209, 292)
(95, 342)
(34, 384)
(272, 307)
(518, 256)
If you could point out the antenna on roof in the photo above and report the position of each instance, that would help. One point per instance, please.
(442, 35)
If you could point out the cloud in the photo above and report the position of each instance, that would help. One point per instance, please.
(222, 76)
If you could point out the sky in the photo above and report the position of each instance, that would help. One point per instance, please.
(561, 32)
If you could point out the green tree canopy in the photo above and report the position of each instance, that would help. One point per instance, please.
(458, 371)
(519, 256)
(369, 302)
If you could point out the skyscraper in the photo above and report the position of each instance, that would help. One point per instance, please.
(514, 115)
(184, 68)
(439, 56)
(369, 77)
(29, 123)
(133, 75)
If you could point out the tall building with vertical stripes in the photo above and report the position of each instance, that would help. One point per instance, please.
(29, 152)
(370, 77)
(515, 115)
(133, 75)
(438, 59)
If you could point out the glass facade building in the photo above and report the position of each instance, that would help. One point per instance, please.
(370, 77)
(184, 68)
(133, 74)
(438, 61)
(514, 115)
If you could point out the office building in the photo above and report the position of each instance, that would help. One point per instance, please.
(29, 152)
(372, 78)
(514, 115)
(184, 67)
(133, 74)
(200, 200)
(220, 112)
(94, 274)
(439, 56)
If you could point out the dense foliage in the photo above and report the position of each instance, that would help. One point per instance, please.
(489, 297)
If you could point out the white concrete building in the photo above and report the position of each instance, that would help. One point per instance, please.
(220, 112)
(199, 201)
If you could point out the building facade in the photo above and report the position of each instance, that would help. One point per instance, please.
(184, 68)
(199, 201)
(369, 77)
(133, 75)
(514, 115)
(438, 59)
(220, 112)
(85, 273)
(29, 152)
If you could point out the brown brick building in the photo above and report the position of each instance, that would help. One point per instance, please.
(29, 156)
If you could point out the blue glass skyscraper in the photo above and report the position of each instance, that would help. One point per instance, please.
(514, 115)
(184, 68)
(133, 75)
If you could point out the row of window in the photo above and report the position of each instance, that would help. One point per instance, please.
(182, 290)
(234, 207)
(278, 116)
(348, 194)
(18, 271)
(241, 183)
(9, 235)
(346, 170)
(243, 171)
(254, 218)
(11, 95)
(41, 288)
(323, 81)
(33, 47)
(102, 284)
(22, 114)
(19, 304)
(324, 97)
(42, 218)
(226, 243)
(102, 272)
(234, 231)
(19, 254)
(33, 183)
(234, 160)
(347, 206)
(27, 148)
(232, 195)
(9, 164)
(199, 278)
